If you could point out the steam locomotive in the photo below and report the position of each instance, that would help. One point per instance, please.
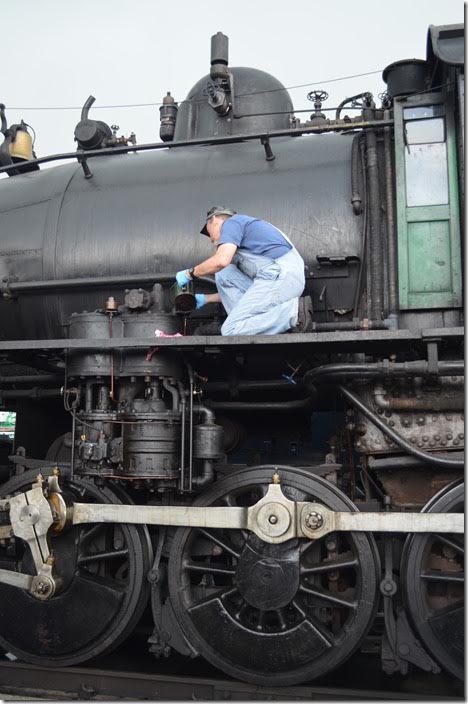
(280, 502)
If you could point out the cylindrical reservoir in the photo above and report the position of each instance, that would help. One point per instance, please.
(152, 445)
(208, 441)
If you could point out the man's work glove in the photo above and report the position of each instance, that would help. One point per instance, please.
(201, 299)
(182, 277)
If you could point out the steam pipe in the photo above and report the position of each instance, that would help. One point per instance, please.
(16, 286)
(29, 393)
(385, 368)
(354, 324)
(375, 239)
(293, 132)
(365, 218)
(403, 462)
(441, 402)
(29, 379)
(85, 109)
(191, 379)
(250, 385)
(207, 412)
(260, 405)
(390, 217)
(207, 475)
(401, 442)
(356, 175)
(174, 393)
(183, 405)
(352, 98)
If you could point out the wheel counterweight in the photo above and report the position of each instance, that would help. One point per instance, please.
(273, 614)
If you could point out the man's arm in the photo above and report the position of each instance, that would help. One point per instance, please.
(218, 261)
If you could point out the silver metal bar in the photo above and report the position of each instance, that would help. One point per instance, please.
(6, 532)
(401, 522)
(190, 516)
(274, 518)
(16, 579)
(316, 521)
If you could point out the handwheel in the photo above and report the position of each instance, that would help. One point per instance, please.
(273, 614)
(103, 591)
(433, 578)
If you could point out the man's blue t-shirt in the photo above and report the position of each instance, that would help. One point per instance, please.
(257, 236)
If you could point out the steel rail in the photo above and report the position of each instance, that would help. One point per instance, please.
(102, 683)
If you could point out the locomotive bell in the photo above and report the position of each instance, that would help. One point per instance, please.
(21, 146)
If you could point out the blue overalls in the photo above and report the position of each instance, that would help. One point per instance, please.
(261, 295)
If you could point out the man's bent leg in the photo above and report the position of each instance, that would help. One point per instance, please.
(231, 284)
(273, 322)
(259, 312)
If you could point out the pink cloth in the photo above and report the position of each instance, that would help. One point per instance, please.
(161, 333)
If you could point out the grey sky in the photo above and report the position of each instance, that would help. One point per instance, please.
(57, 52)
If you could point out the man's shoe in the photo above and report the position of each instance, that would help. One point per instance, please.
(304, 316)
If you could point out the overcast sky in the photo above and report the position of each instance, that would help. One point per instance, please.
(57, 52)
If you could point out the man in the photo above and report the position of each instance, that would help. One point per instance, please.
(259, 274)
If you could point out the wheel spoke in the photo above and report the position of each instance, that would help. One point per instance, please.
(328, 597)
(330, 566)
(230, 500)
(261, 620)
(102, 556)
(326, 638)
(451, 542)
(298, 608)
(241, 611)
(208, 568)
(221, 543)
(229, 592)
(439, 576)
(447, 618)
(91, 532)
(104, 582)
(282, 619)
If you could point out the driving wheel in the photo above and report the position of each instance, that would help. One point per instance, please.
(273, 614)
(103, 589)
(433, 578)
